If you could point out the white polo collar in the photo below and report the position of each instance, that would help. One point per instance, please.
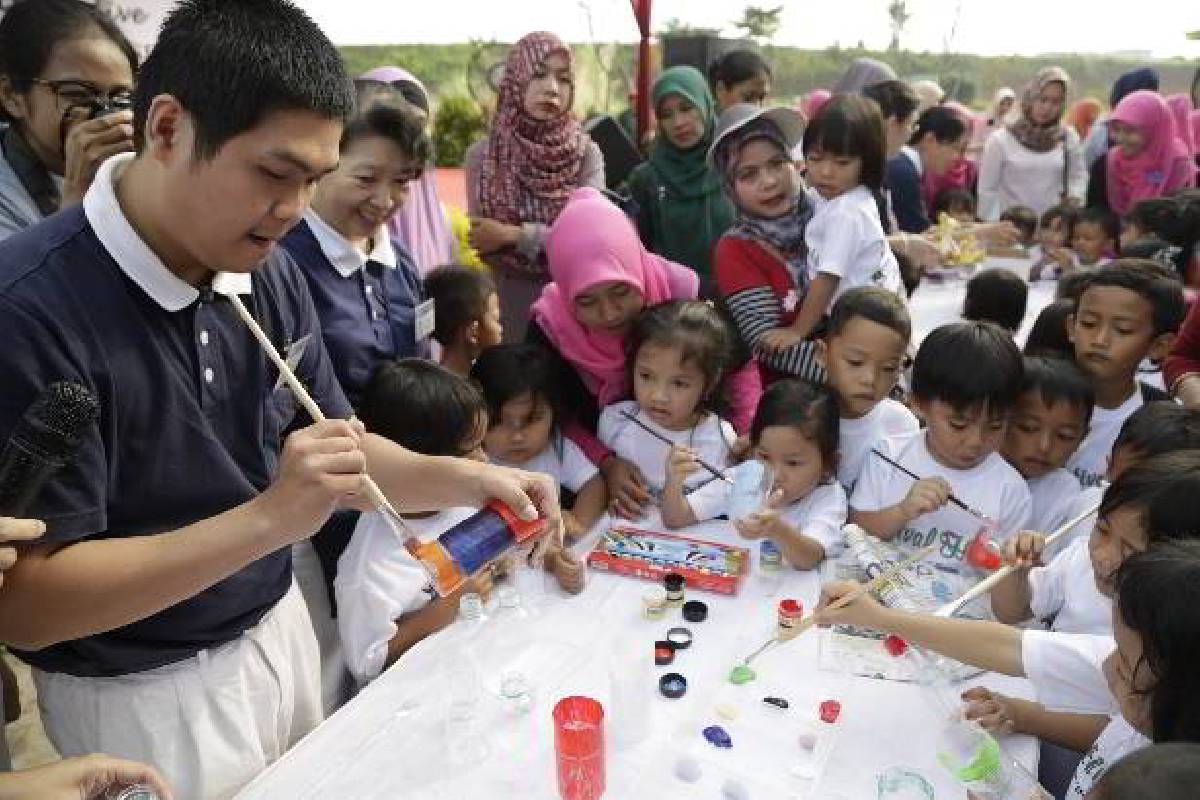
(345, 257)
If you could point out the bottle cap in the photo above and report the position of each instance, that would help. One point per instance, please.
(695, 611)
(680, 638)
(522, 529)
(673, 581)
(664, 652)
(672, 685)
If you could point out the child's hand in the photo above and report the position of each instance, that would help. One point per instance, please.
(779, 339)
(759, 525)
(573, 529)
(993, 711)
(1063, 256)
(681, 462)
(568, 569)
(926, 495)
(626, 487)
(1025, 550)
(864, 611)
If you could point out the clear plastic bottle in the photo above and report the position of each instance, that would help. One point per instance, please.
(465, 743)
(979, 763)
(752, 483)
(770, 567)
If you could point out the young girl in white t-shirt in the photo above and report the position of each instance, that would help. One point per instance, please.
(523, 429)
(678, 351)
(1140, 686)
(794, 434)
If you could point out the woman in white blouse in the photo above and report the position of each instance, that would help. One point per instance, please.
(1037, 161)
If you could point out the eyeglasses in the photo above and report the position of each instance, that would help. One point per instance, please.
(86, 99)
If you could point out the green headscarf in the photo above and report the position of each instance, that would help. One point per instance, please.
(690, 208)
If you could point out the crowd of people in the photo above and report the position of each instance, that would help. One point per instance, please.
(208, 578)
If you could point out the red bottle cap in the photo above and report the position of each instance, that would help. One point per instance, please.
(895, 645)
(791, 608)
(983, 553)
(521, 529)
(830, 710)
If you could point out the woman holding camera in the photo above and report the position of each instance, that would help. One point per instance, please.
(66, 88)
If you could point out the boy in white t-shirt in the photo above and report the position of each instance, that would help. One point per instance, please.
(1127, 311)
(966, 378)
(1048, 423)
(863, 352)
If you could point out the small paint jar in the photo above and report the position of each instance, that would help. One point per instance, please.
(790, 613)
(654, 603)
(139, 791)
(673, 582)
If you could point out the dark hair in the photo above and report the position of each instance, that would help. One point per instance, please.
(968, 364)
(1108, 221)
(944, 123)
(1158, 427)
(1048, 336)
(694, 327)
(896, 99)
(810, 409)
(1024, 218)
(850, 125)
(31, 29)
(1164, 488)
(1157, 284)
(1174, 219)
(422, 406)
(950, 200)
(874, 304)
(1158, 597)
(232, 64)
(1167, 771)
(1058, 380)
(408, 90)
(1071, 286)
(737, 66)
(384, 113)
(460, 296)
(508, 371)
(1057, 212)
(996, 295)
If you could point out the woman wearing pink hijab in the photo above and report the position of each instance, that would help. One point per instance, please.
(421, 223)
(1148, 159)
(814, 101)
(1181, 112)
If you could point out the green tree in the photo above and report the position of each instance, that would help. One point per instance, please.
(459, 122)
(759, 23)
(899, 17)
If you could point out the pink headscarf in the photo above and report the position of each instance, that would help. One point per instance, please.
(1154, 171)
(814, 101)
(1181, 111)
(592, 242)
(1194, 120)
(420, 224)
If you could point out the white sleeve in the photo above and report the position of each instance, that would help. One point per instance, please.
(1046, 590)
(1067, 672)
(899, 420)
(826, 514)
(576, 468)
(991, 165)
(1077, 172)
(841, 248)
(711, 500)
(611, 422)
(377, 582)
(1016, 506)
(870, 491)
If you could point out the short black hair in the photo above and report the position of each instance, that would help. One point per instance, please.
(850, 125)
(1164, 488)
(1049, 336)
(460, 296)
(385, 113)
(1058, 380)
(807, 407)
(1056, 212)
(951, 200)
(697, 329)
(1158, 427)
(996, 295)
(1158, 597)
(1157, 284)
(31, 29)
(968, 364)
(737, 66)
(1108, 221)
(1166, 771)
(874, 304)
(944, 123)
(509, 371)
(230, 64)
(1024, 218)
(896, 99)
(422, 406)
(1070, 286)
(1175, 219)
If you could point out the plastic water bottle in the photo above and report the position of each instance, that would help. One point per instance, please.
(752, 482)
(976, 760)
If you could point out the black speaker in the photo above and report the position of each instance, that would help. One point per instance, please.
(695, 50)
(620, 154)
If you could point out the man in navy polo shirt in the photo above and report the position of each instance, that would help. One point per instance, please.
(159, 611)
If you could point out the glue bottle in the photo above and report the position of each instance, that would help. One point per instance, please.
(484, 536)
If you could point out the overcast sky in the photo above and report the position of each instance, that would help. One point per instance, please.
(989, 27)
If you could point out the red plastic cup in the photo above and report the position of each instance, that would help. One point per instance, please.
(579, 748)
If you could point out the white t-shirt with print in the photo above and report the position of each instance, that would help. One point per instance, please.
(1067, 670)
(712, 439)
(564, 462)
(1117, 740)
(856, 437)
(845, 238)
(819, 516)
(1054, 495)
(1065, 590)
(1086, 500)
(993, 488)
(379, 581)
(1090, 462)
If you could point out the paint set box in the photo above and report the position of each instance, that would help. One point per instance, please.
(650, 555)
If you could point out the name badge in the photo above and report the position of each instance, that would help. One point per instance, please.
(295, 352)
(425, 320)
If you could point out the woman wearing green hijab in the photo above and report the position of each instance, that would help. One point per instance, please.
(682, 211)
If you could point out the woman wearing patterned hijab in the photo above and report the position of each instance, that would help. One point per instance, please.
(519, 177)
(1036, 161)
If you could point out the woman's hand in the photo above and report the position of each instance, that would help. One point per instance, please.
(864, 611)
(16, 530)
(568, 569)
(626, 487)
(87, 145)
(778, 339)
(83, 778)
(488, 235)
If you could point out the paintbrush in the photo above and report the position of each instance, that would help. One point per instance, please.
(716, 473)
(917, 477)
